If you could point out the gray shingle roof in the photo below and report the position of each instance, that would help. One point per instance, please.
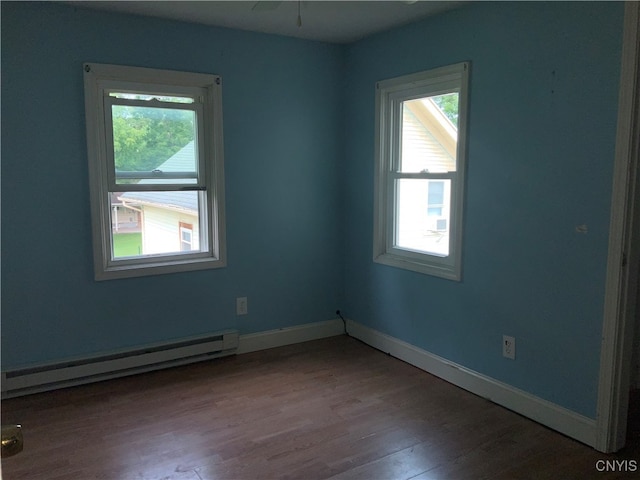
(174, 200)
(181, 161)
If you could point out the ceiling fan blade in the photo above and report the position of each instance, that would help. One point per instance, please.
(265, 5)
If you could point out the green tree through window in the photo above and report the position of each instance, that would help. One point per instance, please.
(449, 105)
(144, 138)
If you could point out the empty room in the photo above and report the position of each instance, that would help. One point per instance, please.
(313, 240)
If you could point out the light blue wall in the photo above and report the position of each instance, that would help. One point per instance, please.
(543, 103)
(281, 131)
(299, 123)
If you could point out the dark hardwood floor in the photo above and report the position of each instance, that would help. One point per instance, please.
(331, 408)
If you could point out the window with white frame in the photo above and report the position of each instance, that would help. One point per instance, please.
(154, 141)
(421, 124)
(186, 237)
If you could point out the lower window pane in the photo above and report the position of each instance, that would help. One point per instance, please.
(153, 223)
(422, 215)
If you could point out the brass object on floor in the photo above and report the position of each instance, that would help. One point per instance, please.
(12, 441)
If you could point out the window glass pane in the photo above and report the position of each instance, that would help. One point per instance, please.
(420, 226)
(147, 139)
(152, 223)
(429, 134)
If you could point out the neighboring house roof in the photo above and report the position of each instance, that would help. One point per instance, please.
(115, 200)
(181, 161)
(187, 201)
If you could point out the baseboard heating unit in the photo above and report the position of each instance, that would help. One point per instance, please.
(51, 376)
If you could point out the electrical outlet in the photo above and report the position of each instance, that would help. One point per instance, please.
(242, 307)
(509, 347)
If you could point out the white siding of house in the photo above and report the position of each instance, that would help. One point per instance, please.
(161, 230)
(420, 149)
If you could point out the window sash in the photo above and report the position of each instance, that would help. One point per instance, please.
(394, 122)
(113, 176)
(205, 239)
(392, 212)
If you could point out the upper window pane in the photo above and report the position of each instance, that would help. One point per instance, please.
(158, 140)
(429, 134)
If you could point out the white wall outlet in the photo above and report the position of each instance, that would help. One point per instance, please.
(242, 306)
(509, 347)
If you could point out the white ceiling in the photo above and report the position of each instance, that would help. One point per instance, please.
(328, 21)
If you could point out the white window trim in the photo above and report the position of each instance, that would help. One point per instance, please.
(96, 76)
(389, 94)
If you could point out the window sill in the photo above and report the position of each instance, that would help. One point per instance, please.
(113, 272)
(426, 266)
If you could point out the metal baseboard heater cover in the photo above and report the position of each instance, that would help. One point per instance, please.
(51, 376)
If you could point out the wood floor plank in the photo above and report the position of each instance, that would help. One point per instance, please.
(332, 408)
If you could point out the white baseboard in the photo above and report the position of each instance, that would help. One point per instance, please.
(542, 411)
(289, 335)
